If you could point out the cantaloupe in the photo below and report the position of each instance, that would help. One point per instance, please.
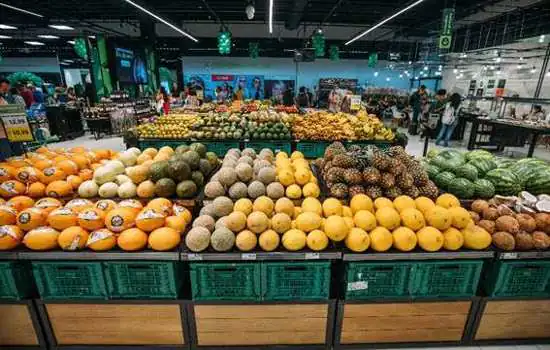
(72, 238)
(101, 240)
(62, 218)
(132, 239)
(36, 190)
(31, 218)
(41, 238)
(197, 239)
(149, 219)
(120, 219)
(161, 205)
(10, 236)
(222, 239)
(12, 188)
(91, 219)
(48, 204)
(163, 239)
(8, 215)
(59, 189)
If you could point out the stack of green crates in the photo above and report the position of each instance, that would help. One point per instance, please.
(16, 280)
(274, 145)
(508, 278)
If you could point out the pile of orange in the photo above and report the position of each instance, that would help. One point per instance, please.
(49, 172)
(47, 224)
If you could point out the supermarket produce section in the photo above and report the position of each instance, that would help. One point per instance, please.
(211, 245)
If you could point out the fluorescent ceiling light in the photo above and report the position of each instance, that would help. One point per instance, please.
(68, 61)
(91, 36)
(161, 20)
(271, 16)
(34, 43)
(384, 21)
(70, 42)
(64, 63)
(5, 26)
(20, 10)
(60, 27)
(47, 36)
(5, 37)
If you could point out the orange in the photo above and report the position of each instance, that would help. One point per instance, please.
(20, 202)
(8, 215)
(120, 219)
(62, 218)
(52, 174)
(59, 189)
(31, 218)
(36, 190)
(12, 188)
(101, 240)
(132, 239)
(91, 219)
(47, 204)
(72, 238)
(10, 236)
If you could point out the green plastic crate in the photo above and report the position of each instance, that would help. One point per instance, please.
(518, 278)
(296, 280)
(275, 145)
(142, 279)
(144, 144)
(16, 280)
(221, 147)
(225, 281)
(312, 149)
(445, 278)
(381, 280)
(70, 280)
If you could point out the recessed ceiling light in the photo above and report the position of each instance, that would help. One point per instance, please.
(47, 36)
(70, 42)
(20, 10)
(5, 37)
(60, 27)
(91, 36)
(34, 43)
(5, 26)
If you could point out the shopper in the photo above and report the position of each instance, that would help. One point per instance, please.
(302, 100)
(239, 95)
(288, 100)
(37, 95)
(26, 94)
(536, 115)
(17, 98)
(334, 100)
(192, 100)
(449, 120)
(416, 104)
(71, 95)
(310, 96)
(5, 96)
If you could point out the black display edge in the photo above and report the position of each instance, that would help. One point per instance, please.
(442, 255)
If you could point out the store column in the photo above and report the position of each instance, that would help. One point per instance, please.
(148, 38)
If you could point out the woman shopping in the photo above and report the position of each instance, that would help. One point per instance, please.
(449, 120)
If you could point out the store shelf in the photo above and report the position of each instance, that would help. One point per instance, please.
(11, 255)
(261, 256)
(99, 256)
(523, 255)
(443, 255)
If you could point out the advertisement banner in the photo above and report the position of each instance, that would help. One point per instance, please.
(252, 86)
(274, 89)
(219, 77)
(446, 34)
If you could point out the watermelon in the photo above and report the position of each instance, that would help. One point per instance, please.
(432, 153)
(467, 171)
(504, 162)
(505, 181)
(432, 171)
(483, 165)
(478, 154)
(525, 167)
(484, 188)
(462, 188)
(538, 182)
(444, 179)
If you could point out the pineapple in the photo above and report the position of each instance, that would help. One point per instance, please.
(343, 161)
(327, 166)
(339, 191)
(396, 167)
(320, 163)
(354, 148)
(404, 181)
(429, 190)
(392, 193)
(333, 150)
(354, 190)
(380, 161)
(398, 152)
(373, 192)
(387, 181)
(412, 192)
(335, 175)
(371, 176)
(353, 177)
(419, 174)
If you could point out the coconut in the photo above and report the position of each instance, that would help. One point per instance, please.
(488, 225)
(524, 241)
(541, 240)
(507, 223)
(474, 216)
(490, 214)
(504, 240)
(526, 222)
(527, 198)
(504, 210)
(479, 206)
(543, 206)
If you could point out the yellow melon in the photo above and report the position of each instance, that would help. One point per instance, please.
(161, 205)
(430, 239)
(244, 205)
(293, 192)
(179, 210)
(404, 239)
(382, 202)
(317, 240)
(246, 241)
(27, 175)
(361, 202)
(312, 205)
(149, 220)
(106, 205)
(8, 215)
(381, 239)
(308, 221)
(120, 219)
(297, 211)
(41, 238)
(460, 217)
(72, 238)
(91, 219)
(349, 222)
(388, 218)
(269, 240)
(281, 223)
(68, 167)
(132, 204)
(36, 190)
(47, 204)
(311, 190)
(347, 212)
(413, 219)
(31, 218)
(101, 240)
(302, 176)
(284, 205)
(81, 161)
(178, 223)
(286, 177)
(12, 188)
(236, 221)
(453, 239)
(10, 236)
(75, 181)
(59, 189)
(447, 201)
(62, 218)
(365, 220)
(6, 172)
(20, 203)
(51, 174)
(79, 204)
(294, 240)
(336, 228)
(403, 202)
(439, 217)
(476, 237)
(357, 240)
(332, 206)
(257, 222)
(132, 239)
(163, 239)
(424, 204)
(263, 204)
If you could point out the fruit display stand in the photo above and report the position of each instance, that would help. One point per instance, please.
(407, 299)
(261, 299)
(517, 306)
(110, 299)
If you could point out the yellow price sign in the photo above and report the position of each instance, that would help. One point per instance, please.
(355, 102)
(17, 128)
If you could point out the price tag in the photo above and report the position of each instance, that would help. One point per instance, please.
(312, 256)
(355, 103)
(194, 257)
(509, 256)
(17, 128)
(360, 285)
(248, 256)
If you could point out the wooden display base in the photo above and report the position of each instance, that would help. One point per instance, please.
(114, 323)
(303, 325)
(362, 324)
(19, 326)
(515, 320)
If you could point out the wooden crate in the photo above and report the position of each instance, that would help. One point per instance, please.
(115, 323)
(16, 326)
(514, 319)
(402, 322)
(262, 324)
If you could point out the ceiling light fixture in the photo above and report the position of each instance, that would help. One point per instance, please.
(384, 21)
(21, 10)
(70, 42)
(5, 37)
(91, 36)
(60, 27)
(271, 16)
(375, 74)
(34, 43)
(69, 61)
(161, 20)
(7, 27)
(47, 36)
(533, 70)
(250, 10)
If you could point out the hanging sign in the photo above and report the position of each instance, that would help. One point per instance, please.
(15, 123)
(355, 103)
(446, 34)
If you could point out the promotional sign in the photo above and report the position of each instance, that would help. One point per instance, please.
(355, 103)
(15, 123)
(446, 34)
(274, 89)
(252, 85)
